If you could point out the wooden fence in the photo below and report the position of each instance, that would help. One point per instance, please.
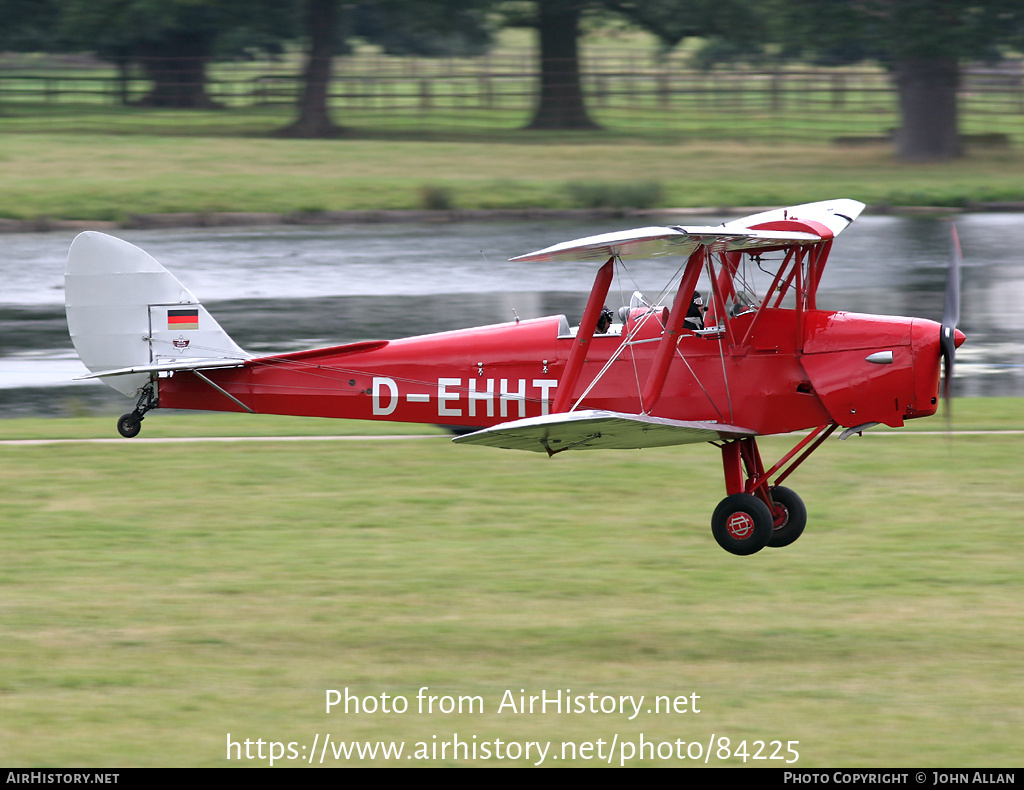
(626, 93)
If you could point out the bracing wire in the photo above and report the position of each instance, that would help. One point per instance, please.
(501, 284)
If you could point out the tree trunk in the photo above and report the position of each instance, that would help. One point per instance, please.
(123, 63)
(928, 109)
(314, 116)
(561, 95)
(177, 68)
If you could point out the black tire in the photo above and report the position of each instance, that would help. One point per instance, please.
(129, 425)
(742, 524)
(789, 517)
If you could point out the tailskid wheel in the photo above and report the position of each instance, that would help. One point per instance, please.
(129, 425)
(789, 516)
(742, 524)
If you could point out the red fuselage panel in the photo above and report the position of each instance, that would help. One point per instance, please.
(789, 372)
(869, 368)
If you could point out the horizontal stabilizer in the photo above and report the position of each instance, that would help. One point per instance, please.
(592, 429)
(199, 363)
(735, 236)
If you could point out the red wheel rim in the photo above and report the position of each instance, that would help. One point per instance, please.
(740, 526)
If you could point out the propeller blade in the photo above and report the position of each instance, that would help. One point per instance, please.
(950, 317)
(951, 307)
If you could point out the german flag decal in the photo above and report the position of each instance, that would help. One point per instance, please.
(183, 319)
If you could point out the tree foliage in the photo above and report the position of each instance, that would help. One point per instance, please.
(172, 40)
(737, 21)
(28, 26)
(893, 30)
(429, 28)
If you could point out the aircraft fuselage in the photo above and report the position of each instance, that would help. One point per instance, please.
(794, 371)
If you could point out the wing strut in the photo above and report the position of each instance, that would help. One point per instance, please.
(574, 365)
(670, 337)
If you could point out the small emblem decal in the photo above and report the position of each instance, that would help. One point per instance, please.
(740, 525)
(180, 343)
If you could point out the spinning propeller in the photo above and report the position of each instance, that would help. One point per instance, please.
(950, 337)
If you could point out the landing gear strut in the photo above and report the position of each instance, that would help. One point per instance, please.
(129, 425)
(757, 514)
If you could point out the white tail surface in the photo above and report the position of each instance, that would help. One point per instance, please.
(125, 310)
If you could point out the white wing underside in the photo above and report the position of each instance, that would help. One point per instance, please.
(735, 236)
(592, 429)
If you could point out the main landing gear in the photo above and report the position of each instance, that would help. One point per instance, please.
(756, 514)
(129, 425)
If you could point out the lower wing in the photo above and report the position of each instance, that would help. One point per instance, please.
(592, 429)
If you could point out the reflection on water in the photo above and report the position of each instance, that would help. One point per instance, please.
(277, 289)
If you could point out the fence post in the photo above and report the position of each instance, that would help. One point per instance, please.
(776, 90)
(838, 90)
(664, 89)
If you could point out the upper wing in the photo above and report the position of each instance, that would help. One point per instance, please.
(653, 242)
(836, 215)
(737, 235)
(592, 429)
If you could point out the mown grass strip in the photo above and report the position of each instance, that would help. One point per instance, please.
(101, 177)
(158, 597)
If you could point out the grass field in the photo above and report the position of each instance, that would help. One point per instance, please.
(104, 177)
(157, 597)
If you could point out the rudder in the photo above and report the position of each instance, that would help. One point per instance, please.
(125, 310)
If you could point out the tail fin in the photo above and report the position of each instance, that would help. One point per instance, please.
(128, 316)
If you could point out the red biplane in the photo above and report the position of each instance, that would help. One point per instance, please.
(740, 366)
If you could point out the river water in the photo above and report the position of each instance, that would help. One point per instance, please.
(285, 288)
